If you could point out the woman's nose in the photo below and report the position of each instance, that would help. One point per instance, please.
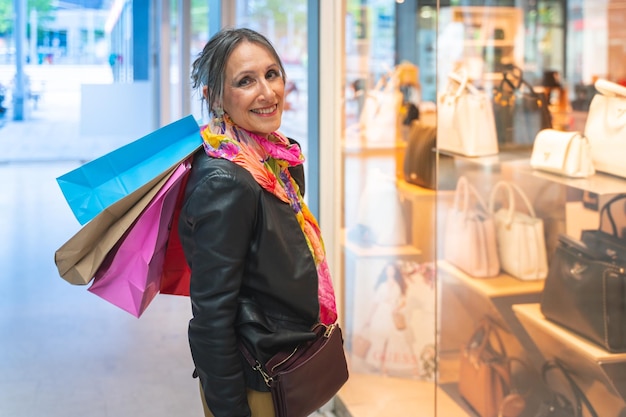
(266, 90)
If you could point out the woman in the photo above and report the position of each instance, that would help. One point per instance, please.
(258, 267)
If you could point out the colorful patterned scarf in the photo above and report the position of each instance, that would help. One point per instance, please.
(268, 162)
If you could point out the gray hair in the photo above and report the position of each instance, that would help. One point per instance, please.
(209, 68)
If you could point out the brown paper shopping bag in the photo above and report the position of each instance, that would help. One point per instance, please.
(79, 258)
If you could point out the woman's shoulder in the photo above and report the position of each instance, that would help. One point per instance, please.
(207, 171)
(205, 166)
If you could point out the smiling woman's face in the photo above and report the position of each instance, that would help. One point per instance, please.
(254, 89)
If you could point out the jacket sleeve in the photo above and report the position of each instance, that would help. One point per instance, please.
(219, 217)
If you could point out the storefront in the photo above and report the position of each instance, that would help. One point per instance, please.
(443, 307)
(452, 189)
(451, 308)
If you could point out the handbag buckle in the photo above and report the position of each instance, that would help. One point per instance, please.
(577, 269)
(268, 379)
(329, 331)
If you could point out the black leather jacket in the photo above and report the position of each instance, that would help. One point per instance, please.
(253, 278)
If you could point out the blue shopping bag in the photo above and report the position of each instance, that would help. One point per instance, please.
(94, 186)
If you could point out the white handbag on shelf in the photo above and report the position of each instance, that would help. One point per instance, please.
(520, 235)
(380, 119)
(606, 128)
(380, 210)
(465, 120)
(563, 153)
(469, 236)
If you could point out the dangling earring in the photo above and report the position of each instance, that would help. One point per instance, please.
(218, 114)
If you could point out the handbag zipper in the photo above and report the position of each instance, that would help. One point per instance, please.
(267, 377)
(327, 333)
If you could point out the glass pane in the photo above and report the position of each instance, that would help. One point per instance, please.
(387, 222)
(199, 38)
(79, 64)
(285, 25)
(511, 79)
(492, 77)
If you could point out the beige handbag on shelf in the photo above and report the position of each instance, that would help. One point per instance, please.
(606, 128)
(380, 119)
(520, 236)
(470, 236)
(465, 120)
(563, 153)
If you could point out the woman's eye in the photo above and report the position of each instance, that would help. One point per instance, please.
(273, 74)
(244, 82)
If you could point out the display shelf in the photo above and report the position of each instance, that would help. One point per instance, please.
(378, 251)
(490, 160)
(424, 204)
(479, 297)
(502, 285)
(362, 148)
(599, 183)
(482, 38)
(602, 374)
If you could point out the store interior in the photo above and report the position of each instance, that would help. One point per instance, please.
(487, 329)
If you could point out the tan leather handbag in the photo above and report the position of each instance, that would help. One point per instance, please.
(485, 375)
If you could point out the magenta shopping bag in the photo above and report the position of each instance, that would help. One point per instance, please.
(130, 275)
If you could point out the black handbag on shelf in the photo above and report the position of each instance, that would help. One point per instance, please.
(558, 404)
(420, 166)
(604, 243)
(586, 293)
(519, 110)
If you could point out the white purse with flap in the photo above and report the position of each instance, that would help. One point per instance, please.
(564, 153)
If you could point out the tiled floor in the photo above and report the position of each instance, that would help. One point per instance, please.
(64, 351)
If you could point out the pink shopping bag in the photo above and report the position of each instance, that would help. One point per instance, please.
(130, 276)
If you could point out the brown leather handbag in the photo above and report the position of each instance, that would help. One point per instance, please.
(306, 377)
(485, 375)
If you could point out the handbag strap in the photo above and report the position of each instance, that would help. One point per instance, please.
(464, 190)
(513, 77)
(482, 337)
(462, 79)
(255, 364)
(610, 89)
(579, 395)
(511, 189)
(606, 208)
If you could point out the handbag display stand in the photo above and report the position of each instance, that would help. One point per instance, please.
(472, 299)
(596, 366)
